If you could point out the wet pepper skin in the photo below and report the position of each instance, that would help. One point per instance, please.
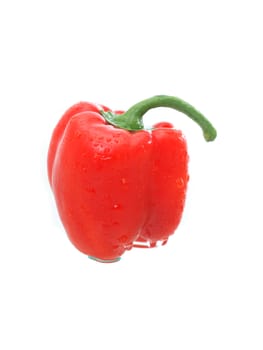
(116, 184)
(115, 188)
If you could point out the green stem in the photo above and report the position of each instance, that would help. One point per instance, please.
(132, 119)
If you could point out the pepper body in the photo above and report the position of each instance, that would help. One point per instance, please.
(115, 188)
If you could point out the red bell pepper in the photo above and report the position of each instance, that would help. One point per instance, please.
(116, 184)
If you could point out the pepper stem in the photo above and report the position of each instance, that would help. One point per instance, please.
(132, 119)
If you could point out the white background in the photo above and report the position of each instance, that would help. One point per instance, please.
(203, 290)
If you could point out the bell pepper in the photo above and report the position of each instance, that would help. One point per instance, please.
(116, 184)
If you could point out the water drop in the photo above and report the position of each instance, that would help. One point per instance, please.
(179, 182)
